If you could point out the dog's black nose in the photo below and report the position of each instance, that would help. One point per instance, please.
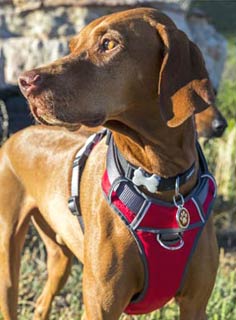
(219, 125)
(29, 82)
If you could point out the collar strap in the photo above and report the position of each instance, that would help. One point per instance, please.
(140, 177)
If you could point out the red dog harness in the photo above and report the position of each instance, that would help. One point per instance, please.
(166, 233)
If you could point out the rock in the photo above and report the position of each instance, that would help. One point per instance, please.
(27, 4)
(183, 4)
(21, 54)
(5, 14)
(179, 17)
(46, 23)
(2, 77)
(212, 45)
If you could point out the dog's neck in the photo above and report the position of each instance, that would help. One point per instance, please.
(158, 149)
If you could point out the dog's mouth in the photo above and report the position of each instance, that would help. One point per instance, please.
(49, 120)
(45, 117)
(48, 111)
(55, 122)
(94, 121)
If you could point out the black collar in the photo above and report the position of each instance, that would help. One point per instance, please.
(130, 172)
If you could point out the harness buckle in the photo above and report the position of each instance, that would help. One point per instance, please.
(72, 204)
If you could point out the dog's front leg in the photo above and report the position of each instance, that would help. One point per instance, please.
(113, 270)
(200, 278)
(103, 301)
(11, 239)
(14, 222)
(59, 261)
(9, 273)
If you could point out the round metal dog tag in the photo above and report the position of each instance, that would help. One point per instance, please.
(183, 217)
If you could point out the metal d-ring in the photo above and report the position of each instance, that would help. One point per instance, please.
(178, 195)
(181, 202)
(177, 186)
(171, 248)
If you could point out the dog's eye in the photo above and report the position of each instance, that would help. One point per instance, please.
(108, 44)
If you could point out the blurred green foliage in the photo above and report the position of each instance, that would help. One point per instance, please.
(226, 98)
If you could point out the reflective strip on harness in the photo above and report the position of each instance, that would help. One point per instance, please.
(78, 166)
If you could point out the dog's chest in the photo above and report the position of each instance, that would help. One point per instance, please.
(165, 237)
(166, 233)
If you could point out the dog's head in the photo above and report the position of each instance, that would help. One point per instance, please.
(132, 59)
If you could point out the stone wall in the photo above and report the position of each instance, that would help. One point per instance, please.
(35, 32)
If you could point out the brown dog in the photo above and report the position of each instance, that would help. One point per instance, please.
(210, 123)
(136, 74)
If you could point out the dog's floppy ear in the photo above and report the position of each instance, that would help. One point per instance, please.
(184, 87)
